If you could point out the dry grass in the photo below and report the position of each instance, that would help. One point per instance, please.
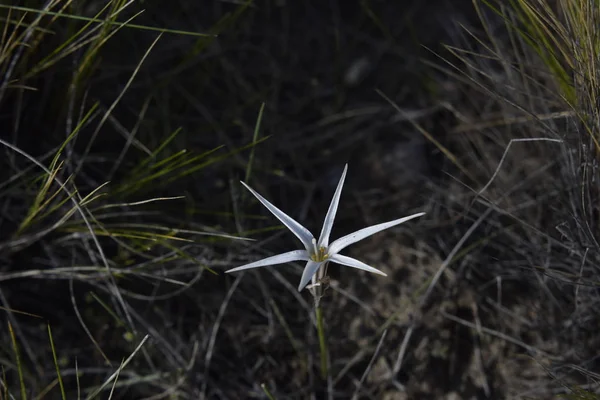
(525, 123)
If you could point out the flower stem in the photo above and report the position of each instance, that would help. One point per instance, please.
(322, 341)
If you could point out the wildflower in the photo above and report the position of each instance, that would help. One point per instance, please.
(318, 253)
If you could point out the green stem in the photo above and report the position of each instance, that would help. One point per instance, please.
(322, 341)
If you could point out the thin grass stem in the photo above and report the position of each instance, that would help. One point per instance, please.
(18, 362)
(58, 374)
(267, 392)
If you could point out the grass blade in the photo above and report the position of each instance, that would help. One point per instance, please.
(18, 360)
(58, 375)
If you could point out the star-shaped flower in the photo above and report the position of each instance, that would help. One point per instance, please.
(319, 253)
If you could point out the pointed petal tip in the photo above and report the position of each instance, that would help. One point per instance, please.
(309, 271)
(343, 242)
(302, 285)
(330, 216)
(294, 226)
(295, 255)
(354, 263)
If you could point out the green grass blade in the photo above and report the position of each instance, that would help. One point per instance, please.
(254, 139)
(103, 304)
(18, 361)
(98, 20)
(58, 375)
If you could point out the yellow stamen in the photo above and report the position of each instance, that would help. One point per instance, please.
(319, 254)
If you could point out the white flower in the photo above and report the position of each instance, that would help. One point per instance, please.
(319, 253)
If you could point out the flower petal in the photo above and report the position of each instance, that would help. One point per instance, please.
(301, 232)
(296, 255)
(347, 240)
(328, 223)
(309, 271)
(354, 263)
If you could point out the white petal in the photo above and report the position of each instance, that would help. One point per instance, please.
(296, 255)
(309, 271)
(347, 240)
(301, 232)
(328, 223)
(354, 263)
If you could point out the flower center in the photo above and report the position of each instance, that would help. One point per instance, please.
(319, 254)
